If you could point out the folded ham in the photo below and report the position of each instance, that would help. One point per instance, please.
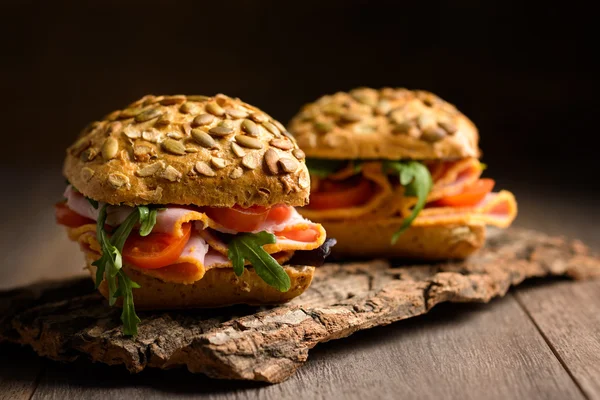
(497, 209)
(204, 250)
(449, 178)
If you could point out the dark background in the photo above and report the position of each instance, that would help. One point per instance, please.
(523, 73)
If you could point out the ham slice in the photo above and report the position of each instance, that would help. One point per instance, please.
(282, 243)
(456, 176)
(497, 209)
(204, 250)
(452, 177)
(196, 258)
(449, 178)
(171, 218)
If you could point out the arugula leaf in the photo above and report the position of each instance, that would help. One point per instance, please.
(483, 166)
(128, 316)
(122, 233)
(144, 213)
(415, 177)
(93, 202)
(109, 266)
(356, 166)
(147, 219)
(107, 249)
(248, 246)
(235, 254)
(323, 168)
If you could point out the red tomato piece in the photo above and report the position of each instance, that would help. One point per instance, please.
(279, 213)
(239, 219)
(341, 194)
(470, 196)
(157, 250)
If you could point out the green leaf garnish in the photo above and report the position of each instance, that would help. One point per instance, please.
(148, 216)
(128, 316)
(249, 246)
(235, 254)
(122, 233)
(483, 166)
(93, 202)
(323, 168)
(415, 177)
(147, 220)
(109, 266)
(356, 166)
(110, 259)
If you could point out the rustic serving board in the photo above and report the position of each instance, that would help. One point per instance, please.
(68, 320)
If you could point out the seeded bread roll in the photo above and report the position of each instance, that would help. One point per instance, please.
(215, 151)
(384, 124)
(371, 238)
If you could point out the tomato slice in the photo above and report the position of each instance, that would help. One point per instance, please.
(67, 217)
(341, 194)
(239, 219)
(308, 235)
(470, 196)
(156, 250)
(279, 213)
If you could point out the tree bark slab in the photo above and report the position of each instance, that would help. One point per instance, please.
(67, 320)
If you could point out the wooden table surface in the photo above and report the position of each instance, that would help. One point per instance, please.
(540, 341)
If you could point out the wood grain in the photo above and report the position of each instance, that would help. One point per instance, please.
(566, 313)
(569, 318)
(465, 351)
(65, 321)
(19, 371)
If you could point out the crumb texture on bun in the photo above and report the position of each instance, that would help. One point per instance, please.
(384, 124)
(208, 151)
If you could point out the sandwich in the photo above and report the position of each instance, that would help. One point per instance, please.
(396, 173)
(188, 201)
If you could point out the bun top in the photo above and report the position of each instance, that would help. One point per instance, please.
(207, 151)
(388, 124)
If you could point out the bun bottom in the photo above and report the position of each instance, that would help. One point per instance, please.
(360, 238)
(219, 287)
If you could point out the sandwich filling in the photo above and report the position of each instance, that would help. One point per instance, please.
(416, 193)
(180, 243)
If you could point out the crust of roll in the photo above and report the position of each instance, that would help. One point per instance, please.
(208, 151)
(393, 124)
(372, 238)
(219, 287)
